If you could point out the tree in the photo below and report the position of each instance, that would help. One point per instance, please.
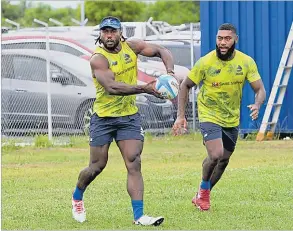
(40, 11)
(9, 11)
(24, 13)
(64, 15)
(127, 11)
(174, 12)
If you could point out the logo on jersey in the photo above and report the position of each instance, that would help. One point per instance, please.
(239, 70)
(127, 58)
(216, 84)
(212, 71)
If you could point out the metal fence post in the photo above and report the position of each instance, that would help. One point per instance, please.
(82, 12)
(48, 78)
(192, 63)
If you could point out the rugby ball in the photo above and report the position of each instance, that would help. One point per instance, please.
(168, 86)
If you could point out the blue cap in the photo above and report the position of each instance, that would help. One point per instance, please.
(110, 22)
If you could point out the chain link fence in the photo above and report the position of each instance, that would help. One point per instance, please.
(25, 109)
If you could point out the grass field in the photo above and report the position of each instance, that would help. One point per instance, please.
(256, 191)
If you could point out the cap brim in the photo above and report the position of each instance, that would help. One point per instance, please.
(111, 26)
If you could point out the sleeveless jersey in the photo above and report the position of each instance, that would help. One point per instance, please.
(124, 66)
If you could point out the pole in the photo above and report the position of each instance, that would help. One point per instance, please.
(85, 22)
(48, 78)
(75, 21)
(56, 22)
(13, 23)
(192, 63)
(82, 12)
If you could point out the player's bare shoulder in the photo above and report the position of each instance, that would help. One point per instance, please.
(137, 45)
(98, 61)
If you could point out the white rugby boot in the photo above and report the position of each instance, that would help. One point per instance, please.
(78, 210)
(147, 220)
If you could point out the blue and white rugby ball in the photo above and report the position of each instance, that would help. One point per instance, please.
(168, 86)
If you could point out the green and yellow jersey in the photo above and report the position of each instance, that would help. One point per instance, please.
(124, 67)
(220, 95)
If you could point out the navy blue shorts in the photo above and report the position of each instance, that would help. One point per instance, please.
(104, 129)
(211, 131)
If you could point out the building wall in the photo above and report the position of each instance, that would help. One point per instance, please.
(263, 28)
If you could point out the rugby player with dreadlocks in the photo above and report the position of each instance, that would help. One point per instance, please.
(114, 70)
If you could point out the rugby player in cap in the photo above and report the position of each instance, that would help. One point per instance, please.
(116, 116)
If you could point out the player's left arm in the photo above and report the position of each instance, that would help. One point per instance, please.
(258, 87)
(140, 47)
(260, 92)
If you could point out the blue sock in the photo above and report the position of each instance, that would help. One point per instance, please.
(78, 194)
(205, 185)
(137, 206)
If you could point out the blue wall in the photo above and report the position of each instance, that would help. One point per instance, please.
(263, 28)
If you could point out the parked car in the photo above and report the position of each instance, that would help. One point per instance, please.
(24, 94)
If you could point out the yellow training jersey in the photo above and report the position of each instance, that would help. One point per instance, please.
(124, 66)
(220, 95)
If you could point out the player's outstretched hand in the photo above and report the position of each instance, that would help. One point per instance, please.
(150, 89)
(254, 108)
(179, 127)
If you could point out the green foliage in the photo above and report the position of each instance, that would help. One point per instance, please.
(13, 12)
(78, 141)
(125, 10)
(24, 13)
(41, 12)
(173, 12)
(64, 15)
(42, 141)
(9, 145)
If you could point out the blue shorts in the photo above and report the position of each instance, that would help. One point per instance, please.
(211, 131)
(104, 129)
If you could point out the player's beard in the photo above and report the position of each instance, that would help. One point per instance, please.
(113, 47)
(226, 56)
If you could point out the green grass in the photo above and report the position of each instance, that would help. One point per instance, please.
(256, 191)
